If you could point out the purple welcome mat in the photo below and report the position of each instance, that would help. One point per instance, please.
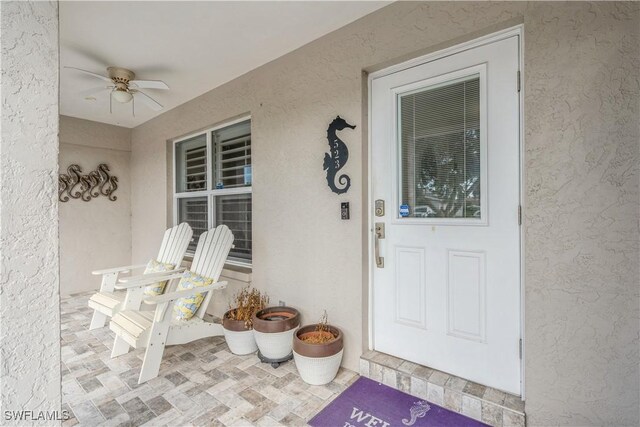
(368, 403)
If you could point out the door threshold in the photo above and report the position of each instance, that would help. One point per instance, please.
(476, 401)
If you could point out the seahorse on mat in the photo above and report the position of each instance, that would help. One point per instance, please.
(337, 156)
(418, 410)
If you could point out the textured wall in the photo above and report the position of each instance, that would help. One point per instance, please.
(581, 216)
(94, 234)
(581, 184)
(29, 295)
(303, 253)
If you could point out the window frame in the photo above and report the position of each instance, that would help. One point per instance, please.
(211, 192)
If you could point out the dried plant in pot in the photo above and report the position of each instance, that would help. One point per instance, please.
(237, 323)
(273, 329)
(317, 351)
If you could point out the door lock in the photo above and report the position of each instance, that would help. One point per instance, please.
(379, 207)
(379, 235)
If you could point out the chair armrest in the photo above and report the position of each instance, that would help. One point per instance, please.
(172, 296)
(124, 269)
(147, 279)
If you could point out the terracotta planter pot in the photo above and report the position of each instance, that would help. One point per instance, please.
(239, 339)
(318, 364)
(273, 329)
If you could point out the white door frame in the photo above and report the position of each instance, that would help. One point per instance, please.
(489, 38)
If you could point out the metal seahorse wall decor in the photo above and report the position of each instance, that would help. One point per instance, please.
(337, 156)
(75, 185)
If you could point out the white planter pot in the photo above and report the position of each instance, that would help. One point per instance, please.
(275, 345)
(240, 342)
(318, 370)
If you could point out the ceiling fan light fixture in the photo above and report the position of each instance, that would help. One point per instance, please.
(122, 96)
(119, 80)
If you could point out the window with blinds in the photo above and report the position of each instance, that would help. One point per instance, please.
(191, 164)
(194, 211)
(232, 167)
(226, 153)
(439, 129)
(235, 212)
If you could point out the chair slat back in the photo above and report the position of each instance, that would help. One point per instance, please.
(174, 244)
(211, 253)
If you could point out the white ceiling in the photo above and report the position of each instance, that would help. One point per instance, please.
(192, 46)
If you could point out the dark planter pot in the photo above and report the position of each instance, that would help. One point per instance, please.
(317, 350)
(276, 319)
(233, 325)
(273, 329)
(239, 339)
(318, 364)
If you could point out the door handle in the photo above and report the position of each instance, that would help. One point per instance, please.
(379, 235)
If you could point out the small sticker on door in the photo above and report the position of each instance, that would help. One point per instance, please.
(404, 210)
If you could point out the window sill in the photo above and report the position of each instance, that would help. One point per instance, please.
(230, 271)
(237, 272)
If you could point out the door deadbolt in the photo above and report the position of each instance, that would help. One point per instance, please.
(379, 207)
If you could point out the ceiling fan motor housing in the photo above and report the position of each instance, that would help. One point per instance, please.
(121, 75)
(121, 78)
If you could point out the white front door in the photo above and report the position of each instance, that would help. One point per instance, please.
(445, 162)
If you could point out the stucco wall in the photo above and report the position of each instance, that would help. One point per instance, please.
(581, 201)
(581, 221)
(94, 234)
(29, 294)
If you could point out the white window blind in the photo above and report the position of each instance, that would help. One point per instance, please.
(440, 150)
(191, 164)
(194, 211)
(233, 163)
(235, 211)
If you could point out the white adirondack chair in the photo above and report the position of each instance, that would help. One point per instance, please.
(157, 329)
(109, 301)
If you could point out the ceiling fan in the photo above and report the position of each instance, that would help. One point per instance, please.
(124, 87)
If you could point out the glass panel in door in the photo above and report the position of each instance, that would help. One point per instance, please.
(439, 130)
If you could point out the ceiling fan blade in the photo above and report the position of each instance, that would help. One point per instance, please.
(93, 91)
(149, 84)
(105, 78)
(146, 99)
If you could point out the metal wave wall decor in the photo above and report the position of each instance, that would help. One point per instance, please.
(75, 185)
(337, 156)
